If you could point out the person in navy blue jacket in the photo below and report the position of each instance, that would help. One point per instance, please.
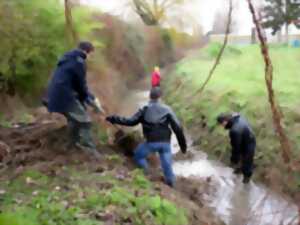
(69, 95)
(243, 143)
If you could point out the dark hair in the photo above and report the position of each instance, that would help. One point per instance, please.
(86, 46)
(224, 117)
(155, 93)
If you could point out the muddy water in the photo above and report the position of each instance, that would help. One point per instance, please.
(234, 202)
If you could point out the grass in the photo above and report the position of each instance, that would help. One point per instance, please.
(37, 199)
(238, 84)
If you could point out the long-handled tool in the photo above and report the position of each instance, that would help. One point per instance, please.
(120, 134)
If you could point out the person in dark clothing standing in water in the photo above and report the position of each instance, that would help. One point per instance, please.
(156, 119)
(69, 95)
(242, 141)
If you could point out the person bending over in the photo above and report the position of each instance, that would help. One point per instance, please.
(242, 141)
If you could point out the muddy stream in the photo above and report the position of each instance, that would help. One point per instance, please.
(234, 203)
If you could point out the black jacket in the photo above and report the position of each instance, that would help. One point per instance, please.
(68, 83)
(157, 121)
(241, 135)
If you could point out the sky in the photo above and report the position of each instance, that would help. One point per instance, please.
(202, 11)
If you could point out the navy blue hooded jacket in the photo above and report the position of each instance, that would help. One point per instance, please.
(68, 83)
(241, 135)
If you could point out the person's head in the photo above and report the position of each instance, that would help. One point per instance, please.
(156, 69)
(155, 93)
(86, 47)
(224, 118)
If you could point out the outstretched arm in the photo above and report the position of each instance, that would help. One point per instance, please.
(132, 121)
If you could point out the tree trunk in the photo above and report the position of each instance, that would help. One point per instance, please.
(211, 72)
(70, 29)
(284, 141)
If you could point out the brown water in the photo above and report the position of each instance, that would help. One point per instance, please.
(234, 202)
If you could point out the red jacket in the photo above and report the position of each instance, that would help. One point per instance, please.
(155, 79)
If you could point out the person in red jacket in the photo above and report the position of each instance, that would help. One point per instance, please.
(155, 77)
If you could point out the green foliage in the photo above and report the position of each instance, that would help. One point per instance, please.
(31, 42)
(4, 122)
(33, 37)
(214, 48)
(163, 211)
(101, 133)
(115, 158)
(36, 201)
(19, 216)
(139, 180)
(86, 24)
(279, 13)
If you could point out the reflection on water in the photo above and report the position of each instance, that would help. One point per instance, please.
(234, 202)
(237, 203)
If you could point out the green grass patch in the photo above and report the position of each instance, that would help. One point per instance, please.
(78, 196)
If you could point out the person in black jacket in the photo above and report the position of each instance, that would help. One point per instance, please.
(68, 94)
(242, 141)
(156, 120)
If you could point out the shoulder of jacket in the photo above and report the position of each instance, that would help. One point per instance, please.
(167, 108)
(143, 109)
(236, 128)
(80, 60)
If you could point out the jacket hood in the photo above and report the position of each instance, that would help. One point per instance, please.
(72, 55)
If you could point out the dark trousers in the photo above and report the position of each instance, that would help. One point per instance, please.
(79, 124)
(245, 159)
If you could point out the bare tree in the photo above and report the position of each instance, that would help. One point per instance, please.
(277, 117)
(219, 56)
(152, 12)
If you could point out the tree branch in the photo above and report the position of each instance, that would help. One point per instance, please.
(284, 141)
(217, 61)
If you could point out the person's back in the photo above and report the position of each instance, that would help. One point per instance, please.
(157, 122)
(64, 87)
(241, 127)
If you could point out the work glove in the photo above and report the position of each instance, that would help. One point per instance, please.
(97, 106)
(112, 119)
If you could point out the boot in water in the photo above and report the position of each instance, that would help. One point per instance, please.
(246, 180)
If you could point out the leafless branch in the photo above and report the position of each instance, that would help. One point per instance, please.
(219, 56)
(284, 141)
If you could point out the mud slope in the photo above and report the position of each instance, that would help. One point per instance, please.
(73, 175)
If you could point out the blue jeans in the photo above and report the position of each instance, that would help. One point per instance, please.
(165, 154)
